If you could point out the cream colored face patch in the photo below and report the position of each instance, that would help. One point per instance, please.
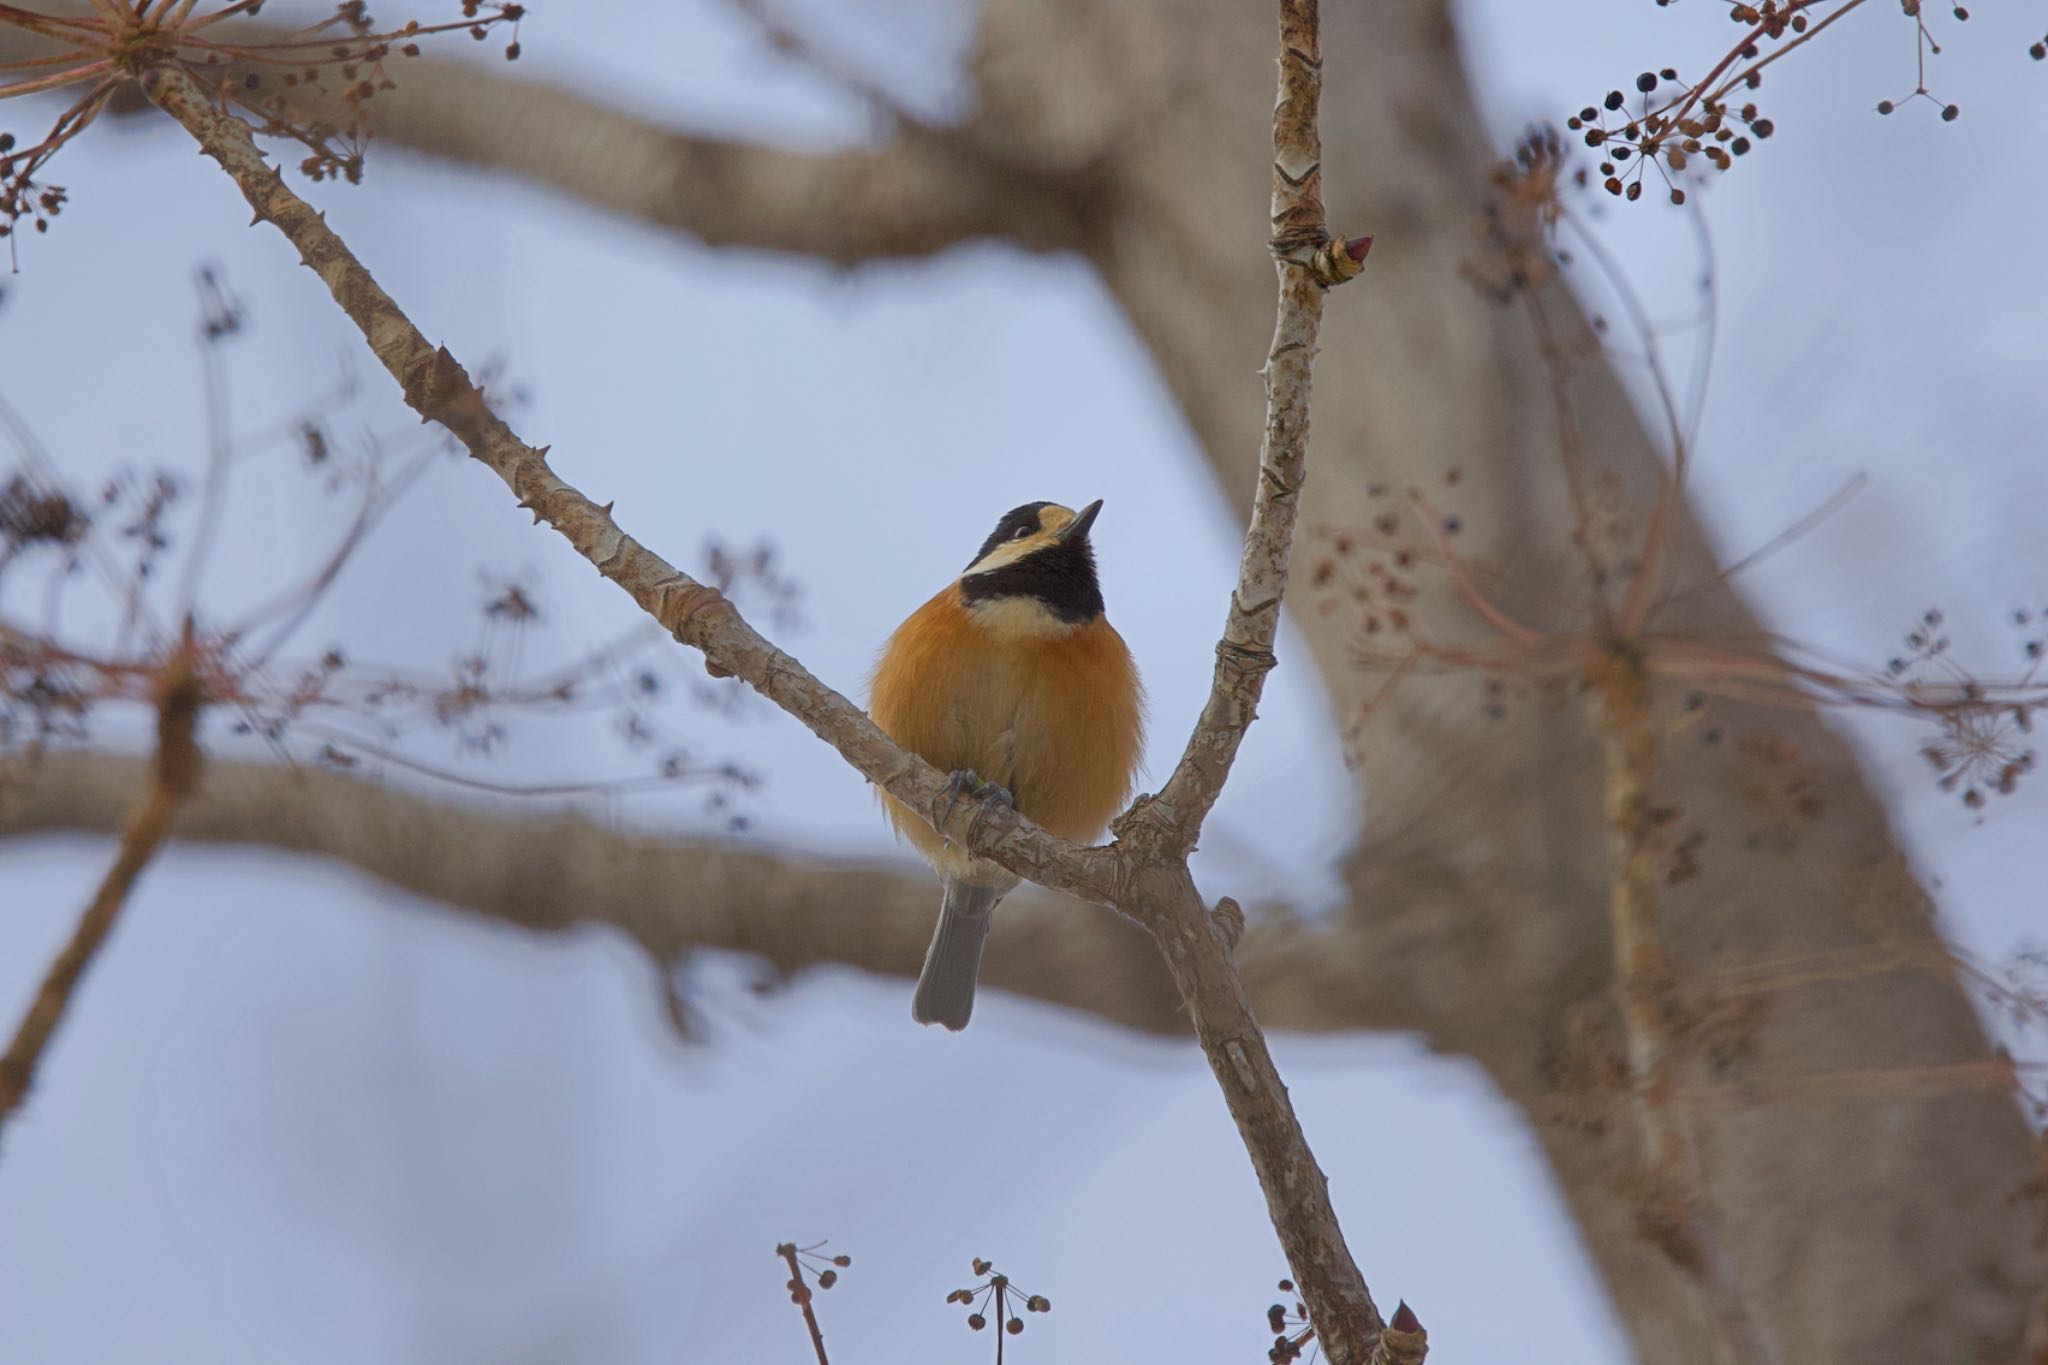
(1052, 519)
(1019, 618)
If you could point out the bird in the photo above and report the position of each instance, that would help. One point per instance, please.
(1012, 680)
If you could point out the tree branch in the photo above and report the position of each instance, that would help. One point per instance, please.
(436, 386)
(172, 776)
(1150, 880)
(1161, 832)
(547, 872)
(1308, 264)
(913, 198)
(929, 189)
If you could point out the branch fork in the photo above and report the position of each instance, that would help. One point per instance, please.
(1144, 874)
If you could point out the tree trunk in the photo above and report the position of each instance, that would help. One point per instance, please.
(1866, 1222)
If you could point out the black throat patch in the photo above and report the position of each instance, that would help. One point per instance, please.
(1061, 577)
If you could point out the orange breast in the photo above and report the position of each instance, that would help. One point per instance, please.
(1058, 720)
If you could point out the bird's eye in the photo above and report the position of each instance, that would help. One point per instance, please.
(1020, 533)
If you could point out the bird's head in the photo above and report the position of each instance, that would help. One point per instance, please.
(1035, 574)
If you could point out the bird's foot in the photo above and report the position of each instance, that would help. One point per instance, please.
(963, 783)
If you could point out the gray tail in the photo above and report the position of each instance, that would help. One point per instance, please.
(945, 988)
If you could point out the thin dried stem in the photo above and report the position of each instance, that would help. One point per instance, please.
(1646, 984)
(1677, 1216)
(1636, 602)
(174, 775)
(1571, 454)
(214, 493)
(63, 28)
(800, 1294)
(55, 81)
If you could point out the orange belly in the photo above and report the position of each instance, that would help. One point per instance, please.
(1058, 720)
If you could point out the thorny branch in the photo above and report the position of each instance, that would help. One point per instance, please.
(1146, 874)
(436, 386)
(1309, 263)
(173, 776)
(1165, 829)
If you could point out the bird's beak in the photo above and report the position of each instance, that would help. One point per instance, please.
(1077, 529)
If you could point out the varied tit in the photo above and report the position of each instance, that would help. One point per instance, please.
(1011, 680)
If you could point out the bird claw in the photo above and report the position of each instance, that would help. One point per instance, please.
(964, 782)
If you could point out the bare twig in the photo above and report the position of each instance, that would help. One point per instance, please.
(173, 776)
(800, 1295)
(1309, 263)
(1146, 876)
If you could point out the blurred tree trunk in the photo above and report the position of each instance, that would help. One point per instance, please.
(1873, 1227)
(1868, 1217)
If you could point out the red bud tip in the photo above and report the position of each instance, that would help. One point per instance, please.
(1357, 247)
(1405, 1319)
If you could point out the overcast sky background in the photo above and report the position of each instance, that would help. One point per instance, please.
(300, 1116)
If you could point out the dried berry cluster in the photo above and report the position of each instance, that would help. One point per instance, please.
(319, 95)
(996, 1297)
(1672, 124)
(825, 1270)
(1516, 227)
(31, 516)
(1292, 1332)
(1665, 134)
(1925, 46)
(311, 86)
(1402, 1340)
(1982, 748)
